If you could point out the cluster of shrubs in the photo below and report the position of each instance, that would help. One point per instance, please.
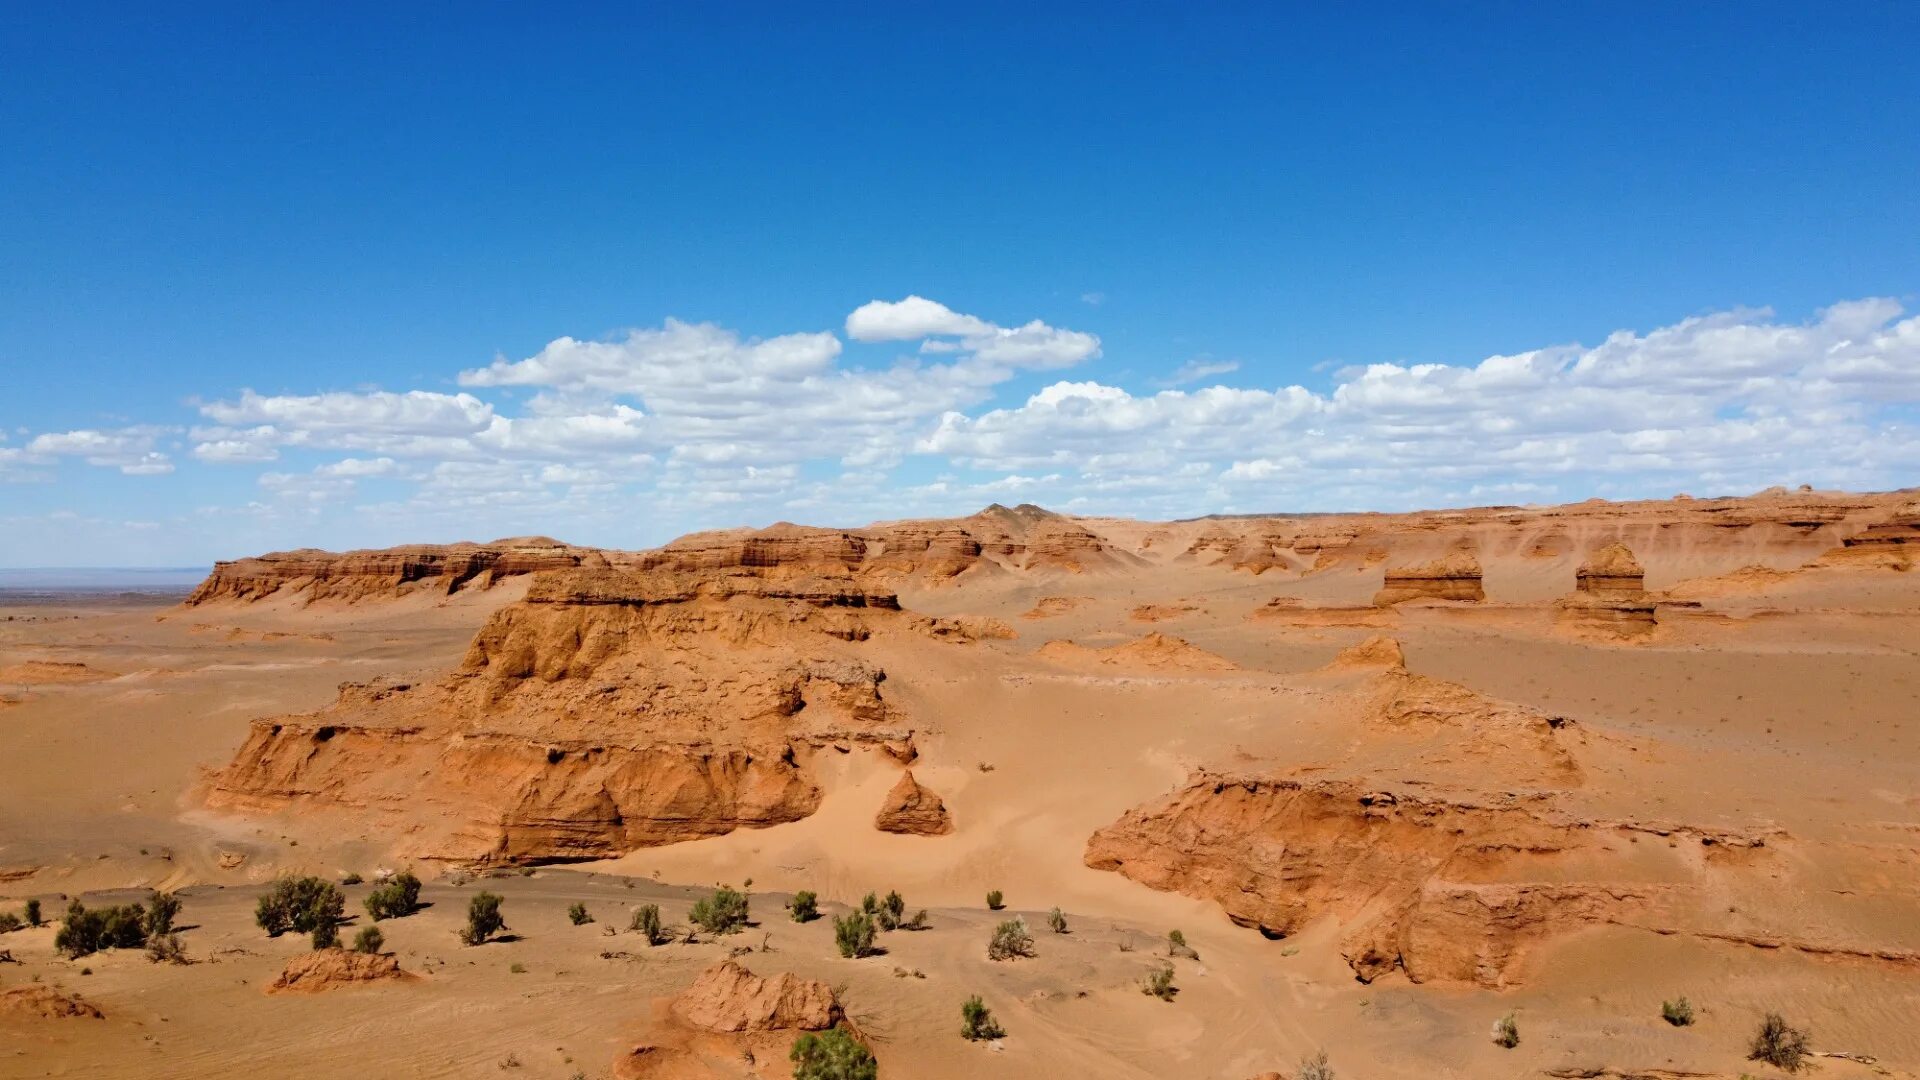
(396, 898)
(306, 905)
(834, 1054)
(9, 922)
(724, 912)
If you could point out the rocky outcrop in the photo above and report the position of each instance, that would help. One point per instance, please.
(38, 1001)
(912, 809)
(1455, 576)
(607, 710)
(1893, 544)
(1610, 596)
(1612, 572)
(728, 998)
(1446, 890)
(332, 969)
(1377, 653)
(1048, 607)
(1154, 652)
(313, 575)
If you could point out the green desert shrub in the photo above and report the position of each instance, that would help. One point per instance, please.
(1159, 983)
(1010, 939)
(804, 907)
(1678, 1013)
(300, 904)
(1057, 921)
(326, 935)
(1177, 946)
(396, 898)
(1779, 1044)
(483, 919)
(995, 901)
(893, 911)
(164, 907)
(1506, 1031)
(578, 914)
(369, 940)
(89, 930)
(646, 922)
(1314, 1068)
(722, 913)
(9, 922)
(870, 904)
(853, 933)
(977, 1022)
(33, 913)
(832, 1055)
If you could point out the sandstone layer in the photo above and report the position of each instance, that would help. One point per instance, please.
(1454, 576)
(313, 575)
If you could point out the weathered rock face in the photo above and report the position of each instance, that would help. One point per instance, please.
(1455, 576)
(383, 574)
(1892, 544)
(912, 809)
(41, 1002)
(332, 969)
(1610, 596)
(1448, 891)
(729, 998)
(1154, 652)
(1612, 572)
(608, 710)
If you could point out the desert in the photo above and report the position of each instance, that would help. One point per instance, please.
(1377, 839)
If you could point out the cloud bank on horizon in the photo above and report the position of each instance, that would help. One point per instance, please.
(661, 430)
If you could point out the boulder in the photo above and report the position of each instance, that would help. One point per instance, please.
(912, 809)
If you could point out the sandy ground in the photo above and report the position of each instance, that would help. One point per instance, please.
(1795, 709)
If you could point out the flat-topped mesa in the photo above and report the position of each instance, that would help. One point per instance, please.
(1613, 573)
(779, 549)
(432, 569)
(1454, 576)
(1610, 596)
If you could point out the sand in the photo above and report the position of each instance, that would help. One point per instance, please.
(1782, 705)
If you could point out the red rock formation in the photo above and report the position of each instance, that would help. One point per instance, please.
(729, 998)
(1048, 607)
(332, 969)
(383, 574)
(607, 710)
(1455, 576)
(912, 809)
(1610, 596)
(1448, 891)
(1378, 652)
(1154, 652)
(42, 1002)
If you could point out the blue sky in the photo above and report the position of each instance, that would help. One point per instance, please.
(257, 271)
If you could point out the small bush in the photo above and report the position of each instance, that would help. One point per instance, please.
(1057, 921)
(893, 911)
(396, 899)
(1678, 1013)
(1314, 1068)
(165, 949)
(977, 1022)
(351, 878)
(87, 931)
(832, 1055)
(33, 913)
(9, 922)
(300, 904)
(804, 907)
(483, 919)
(1010, 940)
(326, 935)
(646, 921)
(854, 934)
(578, 914)
(995, 901)
(722, 913)
(160, 916)
(1160, 983)
(1779, 1044)
(1506, 1032)
(918, 922)
(369, 940)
